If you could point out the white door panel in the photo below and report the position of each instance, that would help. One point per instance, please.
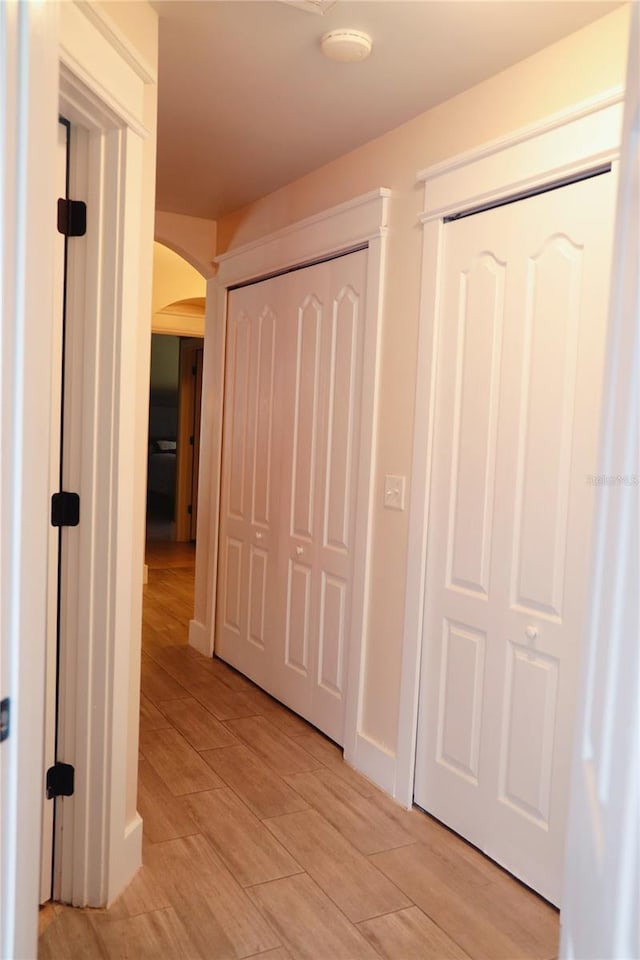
(524, 293)
(286, 562)
(245, 596)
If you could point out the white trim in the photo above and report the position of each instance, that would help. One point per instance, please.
(361, 221)
(117, 40)
(339, 228)
(572, 142)
(374, 761)
(531, 131)
(98, 69)
(576, 140)
(200, 637)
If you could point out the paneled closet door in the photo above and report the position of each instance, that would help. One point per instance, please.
(323, 375)
(524, 309)
(292, 410)
(248, 528)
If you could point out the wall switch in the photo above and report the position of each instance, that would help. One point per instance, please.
(394, 492)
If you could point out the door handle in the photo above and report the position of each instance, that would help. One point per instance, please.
(299, 551)
(531, 632)
(258, 535)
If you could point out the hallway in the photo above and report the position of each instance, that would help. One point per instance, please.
(259, 841)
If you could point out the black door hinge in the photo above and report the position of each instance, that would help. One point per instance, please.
(72, 217)
(60, 780)
(189, 509)
(4, 719)
(194, 371)
(192, 439)
(65, 509)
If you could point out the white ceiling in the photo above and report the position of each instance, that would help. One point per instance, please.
(247, 102)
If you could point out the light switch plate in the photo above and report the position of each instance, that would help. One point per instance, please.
(394, 488)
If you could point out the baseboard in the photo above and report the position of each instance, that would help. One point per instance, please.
(145, 573)
(374, 761)
(199, 638)
(129, 859)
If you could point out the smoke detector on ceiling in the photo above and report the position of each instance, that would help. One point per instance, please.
(349, 46)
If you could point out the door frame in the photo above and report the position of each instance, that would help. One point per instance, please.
(557, 149)
(102, 92)
(188, 438)
(360, 222)
(72, 57)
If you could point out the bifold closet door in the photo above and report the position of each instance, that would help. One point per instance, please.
(249, 506)
(292, 409)
(323, 375)
(524, 309)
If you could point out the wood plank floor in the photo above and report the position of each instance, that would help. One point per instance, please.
(260, 842)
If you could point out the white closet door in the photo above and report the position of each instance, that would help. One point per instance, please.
(248, 529)
(524, 307)
(323, 377)
(292, 410)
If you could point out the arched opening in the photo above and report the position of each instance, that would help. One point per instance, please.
(175, 395)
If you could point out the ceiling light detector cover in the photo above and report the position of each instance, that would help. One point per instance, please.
(348, 46)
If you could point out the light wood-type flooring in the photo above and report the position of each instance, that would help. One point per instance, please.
(259, 841)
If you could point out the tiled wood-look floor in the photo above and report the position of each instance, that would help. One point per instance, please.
(259, 841)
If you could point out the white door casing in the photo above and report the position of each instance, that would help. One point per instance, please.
(523, 313)
(294, 369)
(602, 884)
(102, 93)
(339, 229)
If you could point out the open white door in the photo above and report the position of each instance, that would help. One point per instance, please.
(28, 117)
(600, 916)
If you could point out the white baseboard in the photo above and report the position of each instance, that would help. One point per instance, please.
(374, 761)
(145, 573)
(129, 859)
(199, 638)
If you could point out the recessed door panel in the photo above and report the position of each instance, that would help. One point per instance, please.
(233, 584)
(298, 618)
(551, 311)
(528, 733)
(264, 417)
(305, 422)
(239, 347)
(258, 566)
(332, 634)
(477, 362)
(342, 401)
(461, 689)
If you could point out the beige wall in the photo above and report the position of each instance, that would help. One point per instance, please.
(194, 238)
(576, 68)
(173, 279)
